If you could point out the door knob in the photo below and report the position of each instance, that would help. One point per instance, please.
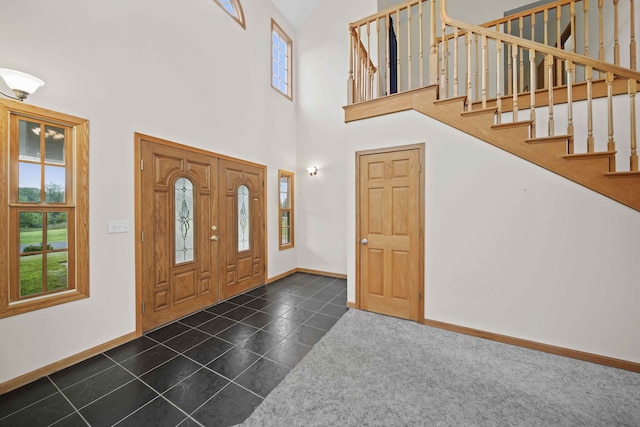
(213, 238)
(214, 228)
(364, 241)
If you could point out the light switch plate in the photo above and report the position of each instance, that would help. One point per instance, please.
(118, 226)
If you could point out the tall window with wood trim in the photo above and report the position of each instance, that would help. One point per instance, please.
(281, 50)
(233, 8)
(44, 200)
(285, 209)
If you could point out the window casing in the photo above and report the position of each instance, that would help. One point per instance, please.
(281, 62)
(285, 209)
(234, 9)
(44, 205)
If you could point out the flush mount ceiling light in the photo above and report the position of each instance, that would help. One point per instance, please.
(313, 171)
(22, 84)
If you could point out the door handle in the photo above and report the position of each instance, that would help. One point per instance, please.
(364, 241)
(213, 238)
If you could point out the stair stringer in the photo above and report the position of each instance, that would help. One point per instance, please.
(591, 171)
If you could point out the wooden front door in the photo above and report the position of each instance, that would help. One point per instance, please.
(242, 258)
(201, 224)
(390, 257)
(179, 211)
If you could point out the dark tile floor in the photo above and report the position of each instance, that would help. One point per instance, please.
(211, 368)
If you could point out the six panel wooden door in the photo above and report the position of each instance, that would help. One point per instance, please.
(242, 260)
(389, 222)
(179, 210)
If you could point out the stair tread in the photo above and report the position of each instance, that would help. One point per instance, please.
(451, 100)
(623, 174)
(544, 139)
(480, 111)
(512, 124)
(596, 155)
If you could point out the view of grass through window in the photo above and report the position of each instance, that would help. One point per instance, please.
(44, 255)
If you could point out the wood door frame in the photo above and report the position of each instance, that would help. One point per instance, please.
(421, 208)
(137, 154)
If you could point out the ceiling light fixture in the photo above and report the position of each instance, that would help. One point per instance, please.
(313, 171)
(22, 84)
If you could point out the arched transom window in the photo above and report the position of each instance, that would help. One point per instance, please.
(233, 8)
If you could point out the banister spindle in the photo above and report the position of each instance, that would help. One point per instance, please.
(455, 61)
(600, 31)
(514, 54)
(558, 80)
(532, 18)
(509, 63)
(398, 64)
(498, 80)
(433, 55)
(410, 65)
(469, 89)
(585, 5)
(590, 141)
(421, 37)
(477, 80)
(521, 83)
(377, 75)
(350, 80)
(570, 76)
(632, 30)
(532, 91)
(616, 43)
(443, 60)
(485, 68)
(633, 89)
(611, 145)
(546, 42)
(549, 62)
(369, 63)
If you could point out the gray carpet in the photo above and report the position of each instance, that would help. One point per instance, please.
(373, 370)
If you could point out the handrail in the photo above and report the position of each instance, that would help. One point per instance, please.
(538, 47)
(532, 11)
(385, 12)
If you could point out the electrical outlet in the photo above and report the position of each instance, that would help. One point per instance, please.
(118, 226)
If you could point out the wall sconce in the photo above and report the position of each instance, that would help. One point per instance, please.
(22, 84)
(313, 171)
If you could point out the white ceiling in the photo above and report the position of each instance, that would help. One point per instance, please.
(296, 11)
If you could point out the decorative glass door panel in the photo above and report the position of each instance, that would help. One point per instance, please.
(178, 209)
(183, 203)
(241, 212)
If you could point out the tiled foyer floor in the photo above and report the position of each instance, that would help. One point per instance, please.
(212, 368)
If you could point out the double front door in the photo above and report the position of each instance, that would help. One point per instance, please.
(202, 229)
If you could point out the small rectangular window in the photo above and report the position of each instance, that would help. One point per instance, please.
(285, 209)
(281, 49)
(45, 208)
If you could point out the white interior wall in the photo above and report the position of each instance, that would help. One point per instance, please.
(510, 248)
(182, 71)
(552, 263)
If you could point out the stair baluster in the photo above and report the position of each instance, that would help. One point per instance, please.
(590, 139)
(633, 89)
(468, 37)
(611, 145)
(532, 92)
(549, 62)
(570, 80)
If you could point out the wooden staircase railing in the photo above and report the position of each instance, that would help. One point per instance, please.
(416, 27)
(484, 82)
(525, 51)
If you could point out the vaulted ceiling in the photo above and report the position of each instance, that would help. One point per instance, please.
(296, 11)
